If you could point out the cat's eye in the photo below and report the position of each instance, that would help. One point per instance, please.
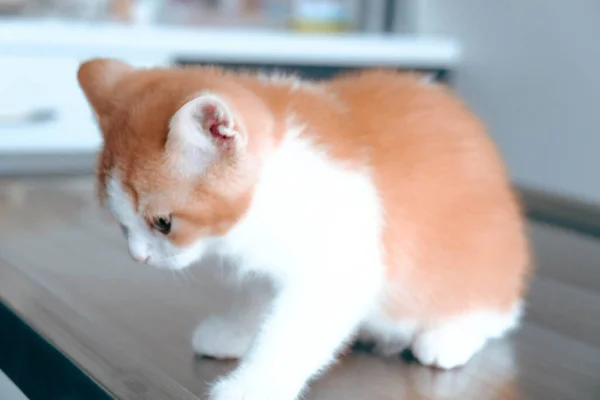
(162, 224)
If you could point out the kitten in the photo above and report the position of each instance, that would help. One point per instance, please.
(374, 202)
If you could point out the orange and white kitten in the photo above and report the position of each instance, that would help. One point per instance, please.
(374, 202)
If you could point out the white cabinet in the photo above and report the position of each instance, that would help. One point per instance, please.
(42, 108)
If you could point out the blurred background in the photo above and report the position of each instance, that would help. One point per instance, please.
(45, 123)
(528, 68)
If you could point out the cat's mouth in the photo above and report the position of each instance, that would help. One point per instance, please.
(177, 262)
(166, 263)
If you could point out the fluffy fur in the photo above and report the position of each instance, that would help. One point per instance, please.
(374, 202)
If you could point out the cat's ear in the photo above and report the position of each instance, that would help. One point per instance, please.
(206, 127)
(98, 79)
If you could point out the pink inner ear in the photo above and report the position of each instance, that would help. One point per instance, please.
(214, 129)
(215, 121)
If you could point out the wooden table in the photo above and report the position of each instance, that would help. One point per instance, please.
(86, 321)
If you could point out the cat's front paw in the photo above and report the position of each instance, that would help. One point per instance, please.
(249, 388)
(219, 338)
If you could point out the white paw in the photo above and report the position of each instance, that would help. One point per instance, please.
(221, 339)
(446, 348)
(250, 388)
(453, 343)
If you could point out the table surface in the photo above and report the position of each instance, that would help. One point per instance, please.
(65, 270)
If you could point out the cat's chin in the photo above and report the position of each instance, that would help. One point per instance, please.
(173, 265)
(177, 260)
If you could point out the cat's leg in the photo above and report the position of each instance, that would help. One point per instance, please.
(227, 335)
(453, 342)
(309, 322)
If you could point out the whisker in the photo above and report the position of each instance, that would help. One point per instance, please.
(174, 276)
(190, 274)
(184, 276)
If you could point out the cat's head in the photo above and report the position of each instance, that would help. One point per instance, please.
(180, 157)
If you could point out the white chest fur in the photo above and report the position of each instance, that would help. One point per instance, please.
(308, 216)
(314, 228)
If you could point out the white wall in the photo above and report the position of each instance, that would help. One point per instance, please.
(532, 72)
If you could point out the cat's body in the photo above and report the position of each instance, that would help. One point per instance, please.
(375, 203)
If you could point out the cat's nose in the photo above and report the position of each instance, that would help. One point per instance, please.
(139, 252)
(138, 257)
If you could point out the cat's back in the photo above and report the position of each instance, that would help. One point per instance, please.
(395, 113)
(413, 135)
(450, 211)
